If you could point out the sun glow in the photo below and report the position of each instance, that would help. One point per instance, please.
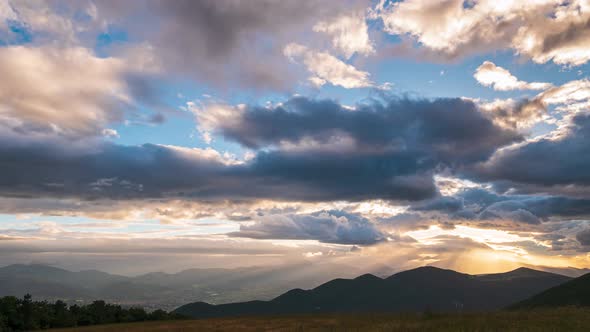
(486, 236)
(505, 250)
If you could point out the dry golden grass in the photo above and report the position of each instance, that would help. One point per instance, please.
(562, 319)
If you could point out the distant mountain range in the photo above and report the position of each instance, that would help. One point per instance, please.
(575, 292)
(222, 292)
(425, 288)
(163, 290)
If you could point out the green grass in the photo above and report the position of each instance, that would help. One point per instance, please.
(561, 319)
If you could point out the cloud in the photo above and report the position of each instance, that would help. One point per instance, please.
(445, 204)
(44, 22)
(61, 92)
(329, 227)
(180, 211)
(394, 148)
(153, 171)
(449, 130)
(534, 163)
(97, 251)
(230, 44)
(509, 210)
(328, 68)
(516, 114)
(584, 237)
(110, 133)
(10, 238)
(549, 222)
(573, 96)
(220, 43)
(7, 12)
(481, 207)
(449, 27)
(488, 74)
(557, 105)
(103, 171)
(349, 34)
(546, 30)
(563, 36)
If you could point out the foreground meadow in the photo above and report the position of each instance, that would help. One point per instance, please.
(562, 319)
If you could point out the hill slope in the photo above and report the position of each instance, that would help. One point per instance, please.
(575, 292)
(414, 290)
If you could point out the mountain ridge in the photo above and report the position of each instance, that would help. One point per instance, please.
(217, 286)
(423, 288)
(575, 292)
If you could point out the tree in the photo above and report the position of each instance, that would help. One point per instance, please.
(27, 315)
(62, 317)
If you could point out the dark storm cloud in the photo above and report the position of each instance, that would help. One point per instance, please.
(328, 226)
(398, 146)
(444, 204)
(529, 208)
(509, 210)
(546, 162)
(341, 176)
(146, 171)
(558, 242)
(452, 130)
(481, 204)
(584, 237)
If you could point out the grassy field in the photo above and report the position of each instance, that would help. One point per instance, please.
(563, 319)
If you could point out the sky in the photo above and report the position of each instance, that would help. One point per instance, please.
(145, 135)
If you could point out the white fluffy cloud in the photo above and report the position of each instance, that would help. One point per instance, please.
(561, 35)
(568, 100)
(543, 30)
(488, 74)
(448, 27)
(212, 115)
(63, 91)
(329, 227)
(349, 34)
(569, 93)
(328, 68)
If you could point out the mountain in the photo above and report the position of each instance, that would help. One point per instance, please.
(573, 272)
(575, 292)
(163, 290)
(425, 288)
(48, 282)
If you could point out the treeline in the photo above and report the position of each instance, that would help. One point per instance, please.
(26, 315)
